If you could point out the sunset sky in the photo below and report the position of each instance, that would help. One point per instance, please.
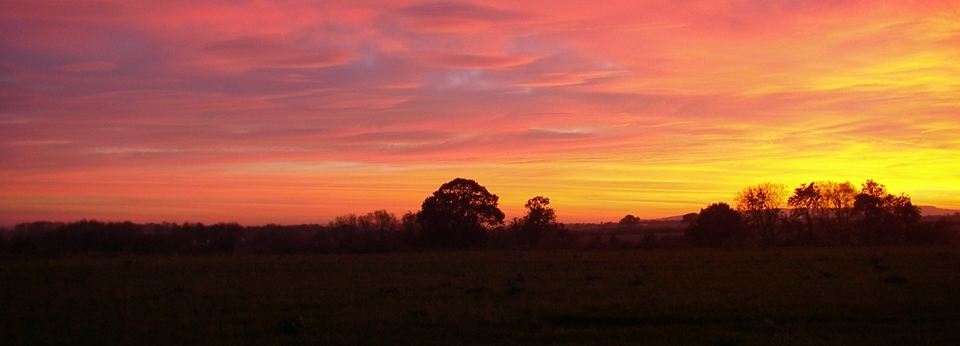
(295, 112)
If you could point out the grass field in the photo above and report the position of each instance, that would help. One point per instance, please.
(867, 296)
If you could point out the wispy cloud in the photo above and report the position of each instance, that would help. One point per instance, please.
(457, 16)
(89, 66)
(255, 52)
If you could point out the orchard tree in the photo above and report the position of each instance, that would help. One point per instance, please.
(458, 215)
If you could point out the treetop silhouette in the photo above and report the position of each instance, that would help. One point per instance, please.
(458, 215)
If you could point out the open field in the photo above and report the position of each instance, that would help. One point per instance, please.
(870, 296)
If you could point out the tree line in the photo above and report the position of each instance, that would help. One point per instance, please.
(460, 215)
(825, 213)
(464, 215)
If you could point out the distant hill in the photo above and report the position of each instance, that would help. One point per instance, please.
(929, 210)
(671, 218)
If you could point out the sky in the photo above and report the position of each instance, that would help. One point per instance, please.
(295, 112)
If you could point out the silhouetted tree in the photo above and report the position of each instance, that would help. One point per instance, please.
(805, 203)
(629, 222)
(223, 238)
(380, 222)
(276, 239)
(458, 214)
(378, 231)
(689, 218)
(760, 206)
(717, 225)
(539, 228)
(931, 233)
(884, 219)
(837, 210)
(344, 233)
(4, 243)
(409, 230)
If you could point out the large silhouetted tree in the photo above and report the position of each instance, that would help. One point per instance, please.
(457, 215)
(717, 225)
(539, 228)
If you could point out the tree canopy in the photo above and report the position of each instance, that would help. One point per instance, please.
(760, 205)
(458, 215)
(539, 227)
(883, 218)
(717, 225)
(629, 221)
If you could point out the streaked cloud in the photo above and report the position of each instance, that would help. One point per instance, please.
(457, 16)
(253, 52)
(473, 61)
(89, 66)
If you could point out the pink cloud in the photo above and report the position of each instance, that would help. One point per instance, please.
(80, 10)
(478, 61)
(462, 11)
(89, 66)
(565, 79)
(250, 52)
(457, 16)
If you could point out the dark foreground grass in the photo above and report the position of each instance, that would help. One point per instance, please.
(688, 297)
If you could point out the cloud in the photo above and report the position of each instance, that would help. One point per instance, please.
(456, 16)
(339, 99)
(259, 52)
(461, 10)
(556, 79)
(89, 66)
(474, 61)
(85, 10)
(559, 132)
